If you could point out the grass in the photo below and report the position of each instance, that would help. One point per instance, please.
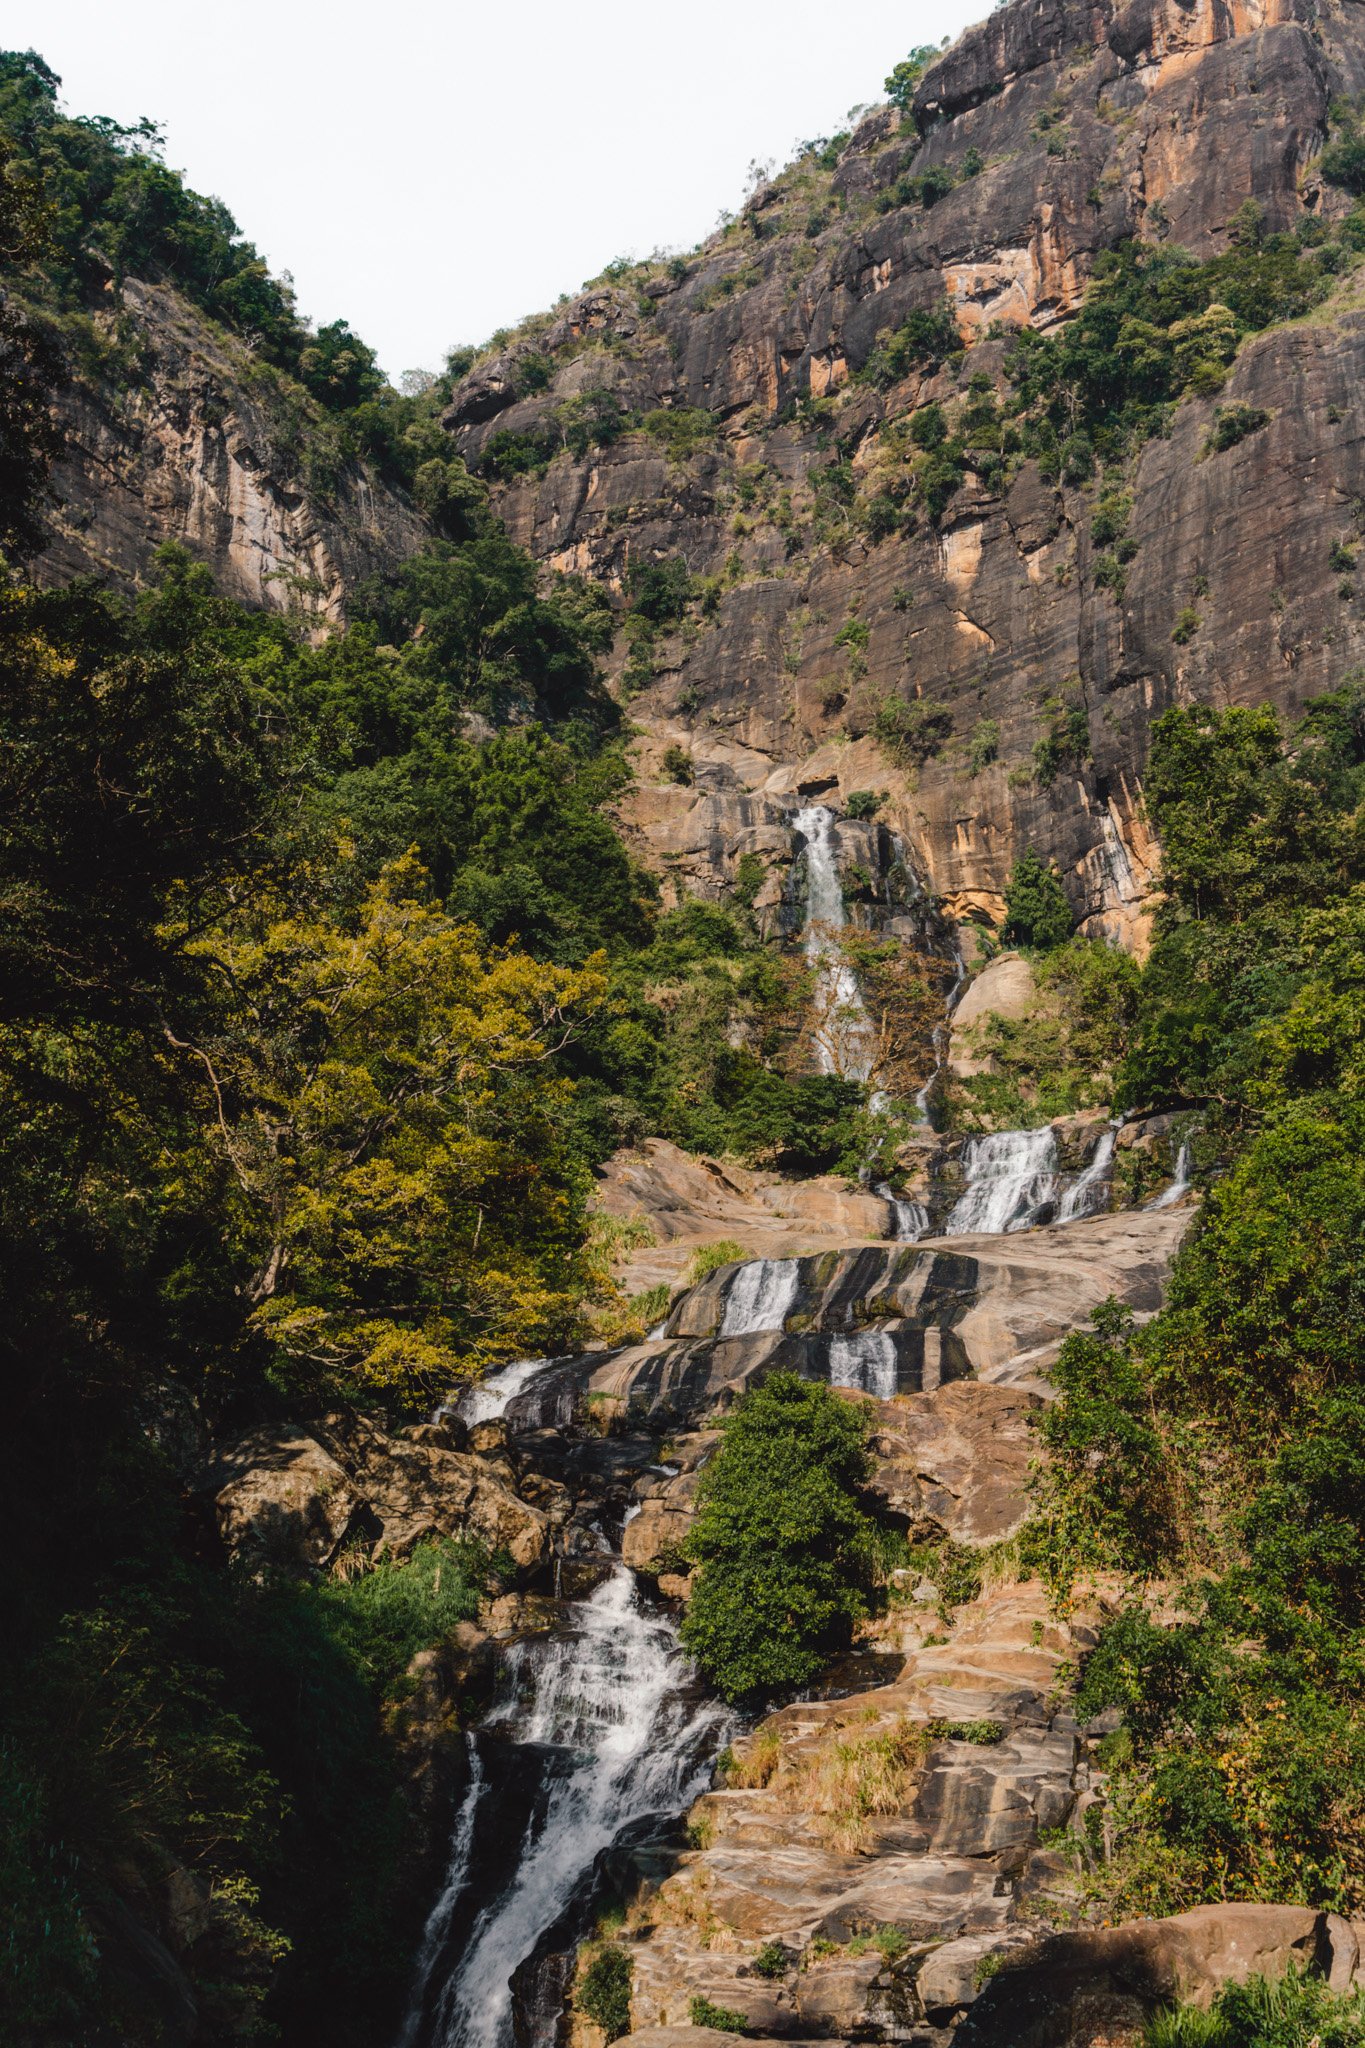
(725, 1251)
(753, 1770)
(852, 1779)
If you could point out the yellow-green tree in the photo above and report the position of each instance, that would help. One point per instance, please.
(386, 1095)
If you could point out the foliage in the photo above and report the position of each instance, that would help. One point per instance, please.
(1154, 324)
(709, 1258)
(864, 803)
(772, 1960)
(1231, 424)
(1066, 1055)
(1037, 914)
(784, 1548)
(905, 76)
(1294, 2011)
(29, 366)
(911, 732)
(603, 1990)
(923, 341)
(701, 2012)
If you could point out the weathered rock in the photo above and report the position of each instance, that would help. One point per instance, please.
(1007, 988)
(1051, 1997)
(292, 1497)
(190, 451)
(282, 1500)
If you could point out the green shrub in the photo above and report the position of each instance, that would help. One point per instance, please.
(784, 1547)
(1186, 625)
(1294, 2011)
(677, 764)
(905, 76)
(912, 732)
(926, 339)
(683, 429)
(1037, 913)
(984, 744)
(864, 803)
(772, 1960)
(709, 1258)
(604, 1991)
(702, 2013)
(1231, 424)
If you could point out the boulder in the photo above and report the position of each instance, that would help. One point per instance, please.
(1006, 988)
(282, 1500)
(1054, 1996)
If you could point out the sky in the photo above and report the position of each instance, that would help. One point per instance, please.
(431, 173)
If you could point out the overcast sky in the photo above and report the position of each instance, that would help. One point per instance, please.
(432, 172)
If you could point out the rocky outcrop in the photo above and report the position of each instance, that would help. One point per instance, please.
(210, 447)
(295, 1499)
(1007, 988)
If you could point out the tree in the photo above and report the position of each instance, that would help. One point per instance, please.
(29, 365)
(1037, 913)
(384, 1095)
(784, 1547)
(905, 76)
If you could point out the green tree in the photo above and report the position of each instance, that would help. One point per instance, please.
(784, 1547)
(905, 76)
(1037, 913)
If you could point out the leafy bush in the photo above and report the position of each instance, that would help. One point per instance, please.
(1231, 424)
(784, 1548)
(683, 429)
(677, 764)
(912, 732)
(984, 745)
(708, 1258)
(905, 76)
(702, 2013)
(864, 803)
(773, 1960)
(1037, 913)
(603, 1991)
(1294, 2011)
(923, 341)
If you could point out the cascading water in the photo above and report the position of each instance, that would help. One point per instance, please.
(865, 1361)
(436, 1933)
(486, 1402)
(843, 1032)
(1181, 1184)
(605, 1704)
(909, 1220)
(1011, 1179)
(761, 1297)
(1086, 1193)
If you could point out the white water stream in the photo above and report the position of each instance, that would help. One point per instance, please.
(1087, 1192)
(610, 1691)
(761, 1297)
(1011, 1176)
(486, 1402)
(844, 1039)
(1180, 1185)
(865, 1361)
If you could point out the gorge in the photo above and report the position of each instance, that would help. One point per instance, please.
(684, 1162)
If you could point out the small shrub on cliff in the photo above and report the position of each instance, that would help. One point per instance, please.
(723, 2018)
(1231, 424)
(784, 1547)
(604, 1991)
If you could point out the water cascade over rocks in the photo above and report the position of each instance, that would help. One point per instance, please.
(761, 1297)
(1011, 1182)
(606, 1709)
(866, 1362)
(1087, 1192)
(843, 1032)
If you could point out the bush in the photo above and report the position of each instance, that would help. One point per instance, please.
(708, 1258)
(913, 732)
(604, 1991)
(1037, 913)
(773, 1960)
(677, 764)
(784, 1547)
(1294, 2011)
(702, 2013)
(864, 803)
(924, 340)
(1231, 424)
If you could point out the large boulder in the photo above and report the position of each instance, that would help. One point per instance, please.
(1006, 988)
(291, 1497)
(1103, 1982)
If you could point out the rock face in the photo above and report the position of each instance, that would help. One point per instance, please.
(1091, 123)
(201, 449)
(294, 1498)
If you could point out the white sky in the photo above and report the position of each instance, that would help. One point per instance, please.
(432, 172)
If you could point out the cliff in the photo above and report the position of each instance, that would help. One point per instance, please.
(1057, 131)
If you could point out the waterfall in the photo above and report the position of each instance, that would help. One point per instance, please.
(761, 1297)
(942, 1034)
(488, 1401)
(1181, 1184)
(1086, 1192)
(1011, 1177)
(437, 1930)
(607, 1698)
(909, 1220)
(843, 1034)
(865, 1360)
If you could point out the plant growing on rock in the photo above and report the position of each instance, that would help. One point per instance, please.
(784, 1547)
(1037, 913)
(603, 1990)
